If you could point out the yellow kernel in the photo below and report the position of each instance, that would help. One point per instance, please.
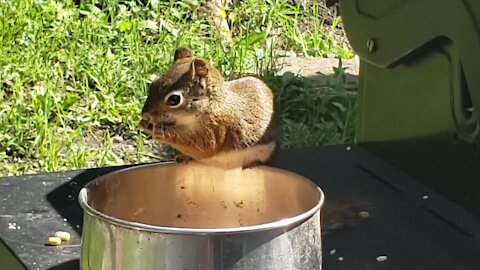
(54, 241)
(65, 236)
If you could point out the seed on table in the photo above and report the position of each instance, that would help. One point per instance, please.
(54, 241)
(64, 236)
(382, 258)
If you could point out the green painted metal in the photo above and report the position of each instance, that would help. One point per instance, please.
(419, 89)
(389, 34)
(405, 102)
(8, 260)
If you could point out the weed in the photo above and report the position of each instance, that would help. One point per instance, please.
(311, 116)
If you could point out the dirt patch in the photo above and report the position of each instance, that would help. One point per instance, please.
(126, 149)
(321, 70)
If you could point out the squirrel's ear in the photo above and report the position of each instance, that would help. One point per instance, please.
(199, 68)
(181, 53)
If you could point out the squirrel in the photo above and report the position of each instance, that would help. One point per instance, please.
(228, 124)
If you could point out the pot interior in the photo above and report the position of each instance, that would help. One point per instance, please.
(202, 197)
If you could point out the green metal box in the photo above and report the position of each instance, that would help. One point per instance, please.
(419, 92)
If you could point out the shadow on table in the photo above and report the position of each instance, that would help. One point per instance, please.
(69, 265)
(65, 198)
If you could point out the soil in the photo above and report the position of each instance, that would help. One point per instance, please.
(320, 70)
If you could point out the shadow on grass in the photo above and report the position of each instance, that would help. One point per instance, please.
(316, 112)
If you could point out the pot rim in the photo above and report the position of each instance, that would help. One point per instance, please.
(83, 195)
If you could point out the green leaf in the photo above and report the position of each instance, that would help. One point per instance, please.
(69, 100)
(287, 78)
(252, 39)
(124, 26)
(339, 106)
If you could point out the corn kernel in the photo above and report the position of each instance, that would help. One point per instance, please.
(54, 241)
(65, 236)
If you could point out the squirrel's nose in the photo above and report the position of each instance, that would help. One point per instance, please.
(149, 116)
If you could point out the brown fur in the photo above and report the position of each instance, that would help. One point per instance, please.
(216, 117)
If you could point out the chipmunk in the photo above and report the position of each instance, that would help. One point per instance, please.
(228, 124)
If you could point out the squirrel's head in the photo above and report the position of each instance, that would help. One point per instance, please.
(178, 99)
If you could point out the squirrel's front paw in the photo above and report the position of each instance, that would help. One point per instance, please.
(183, 159)
(252, 164)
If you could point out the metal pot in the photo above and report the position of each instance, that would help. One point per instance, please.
(171, 216)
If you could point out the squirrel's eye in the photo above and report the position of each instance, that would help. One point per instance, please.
(174, 99)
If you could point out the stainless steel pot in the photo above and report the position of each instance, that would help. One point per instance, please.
(171, 216)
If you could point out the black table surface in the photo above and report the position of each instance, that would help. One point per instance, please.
(414, 227)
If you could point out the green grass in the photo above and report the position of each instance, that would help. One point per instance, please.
(73, 77)
(310, 116)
